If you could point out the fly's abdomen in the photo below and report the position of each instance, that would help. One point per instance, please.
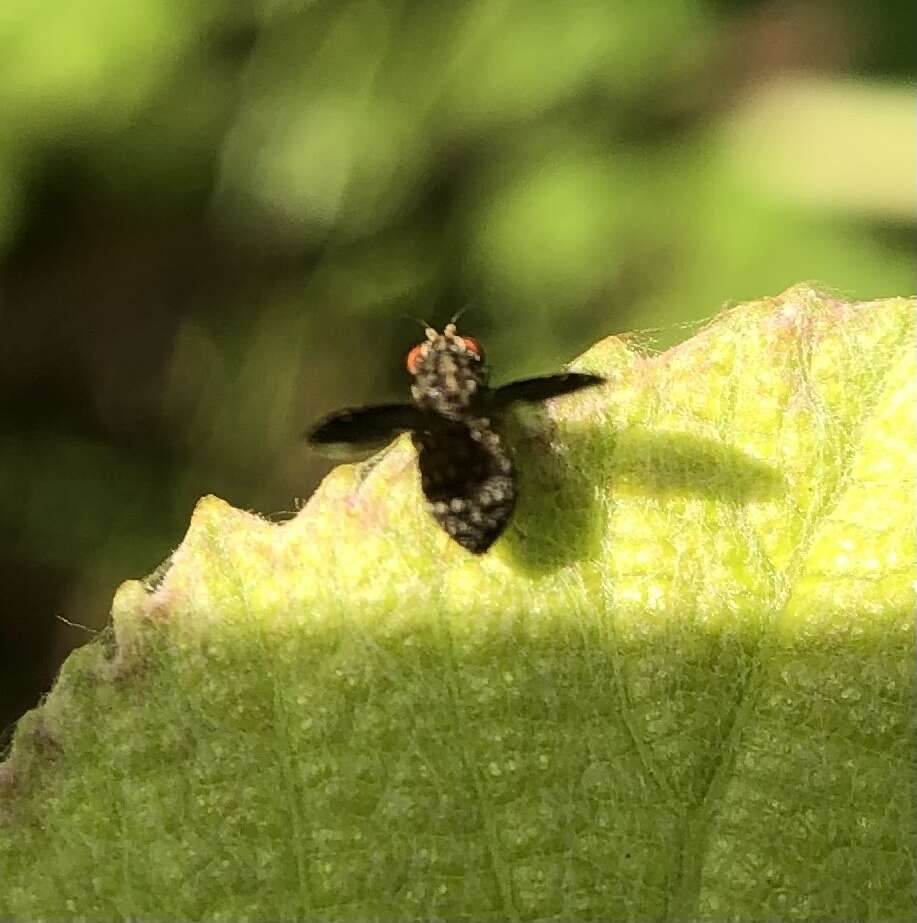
(468, 480)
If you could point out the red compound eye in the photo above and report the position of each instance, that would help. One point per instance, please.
(473, 346)
(414, 357)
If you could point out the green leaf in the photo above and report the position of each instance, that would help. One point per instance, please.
(681, 686)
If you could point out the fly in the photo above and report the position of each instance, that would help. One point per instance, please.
(466, 469)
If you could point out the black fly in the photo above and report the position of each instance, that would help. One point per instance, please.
(466, 471)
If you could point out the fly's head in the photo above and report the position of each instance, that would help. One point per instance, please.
(450, 377)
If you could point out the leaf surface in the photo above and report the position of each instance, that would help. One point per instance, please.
(680, 687)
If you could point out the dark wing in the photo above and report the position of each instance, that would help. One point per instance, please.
(540, 389)
(361, 430)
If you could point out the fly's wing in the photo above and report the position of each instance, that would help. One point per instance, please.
(359, 431)
(540, 389)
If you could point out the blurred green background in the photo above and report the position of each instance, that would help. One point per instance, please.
(217, 215)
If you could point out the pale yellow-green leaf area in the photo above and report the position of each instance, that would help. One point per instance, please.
(679, 687)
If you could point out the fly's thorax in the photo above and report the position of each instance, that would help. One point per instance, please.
(450, 377)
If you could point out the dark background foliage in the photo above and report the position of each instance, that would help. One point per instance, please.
(217, 217)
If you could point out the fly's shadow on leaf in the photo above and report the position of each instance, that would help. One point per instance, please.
(558, 519)
(687, 465)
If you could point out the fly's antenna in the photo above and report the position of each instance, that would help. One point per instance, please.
(459, 313)
(417, 320)
(428, 326)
